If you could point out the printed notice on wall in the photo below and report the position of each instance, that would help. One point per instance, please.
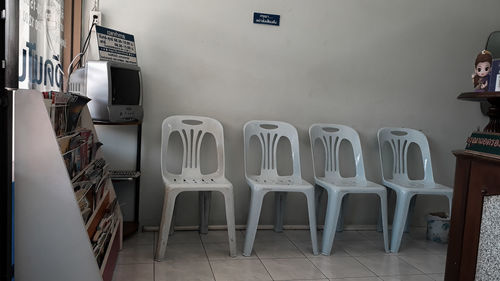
(115, 45)
(269, 19)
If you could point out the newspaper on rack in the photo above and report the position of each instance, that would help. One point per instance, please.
(78, 150)
(74, 108)
(89, 186)
(85, 196)
(65, 111)
(104, 232)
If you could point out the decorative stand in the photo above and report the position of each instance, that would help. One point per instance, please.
(473, 246)
(493, 112)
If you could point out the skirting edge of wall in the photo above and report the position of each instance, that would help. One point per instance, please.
(153, 228)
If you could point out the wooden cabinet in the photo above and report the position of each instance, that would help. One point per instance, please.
(476, 176)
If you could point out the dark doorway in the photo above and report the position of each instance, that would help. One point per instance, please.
(8, 81)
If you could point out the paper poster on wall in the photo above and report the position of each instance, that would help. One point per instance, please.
(116, 46)
(40, 44)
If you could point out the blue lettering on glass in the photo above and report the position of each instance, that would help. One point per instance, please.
(37, 70)
(49, 73)
(270, 19)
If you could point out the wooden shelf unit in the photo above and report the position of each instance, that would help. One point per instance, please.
(477, 175)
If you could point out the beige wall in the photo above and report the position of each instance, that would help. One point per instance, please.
(365, 64)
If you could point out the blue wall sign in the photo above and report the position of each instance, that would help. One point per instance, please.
(115, 45)
(269, 19)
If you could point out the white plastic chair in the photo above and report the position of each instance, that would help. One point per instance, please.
(269, 134)
(192, 129)
(331, 136)
(399, 140)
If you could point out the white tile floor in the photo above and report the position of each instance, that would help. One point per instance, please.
(357, 256)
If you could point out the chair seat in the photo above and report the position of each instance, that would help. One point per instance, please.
(350, 185)
(197, 184)
(419, 187)
(278, 184)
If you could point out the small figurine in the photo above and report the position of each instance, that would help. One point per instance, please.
(482, 69)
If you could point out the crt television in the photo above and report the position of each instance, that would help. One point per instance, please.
(115, 90)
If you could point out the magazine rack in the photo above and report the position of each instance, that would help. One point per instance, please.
(115, 244)
(53, 242)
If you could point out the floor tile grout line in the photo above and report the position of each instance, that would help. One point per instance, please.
(269, 273)
(296, 242)
(206, 255)
(410, 264)
(322, 273)
(154, 271)
(426, 275)
(260, 260)
(356, 258)
(130, 263)
(422, 273)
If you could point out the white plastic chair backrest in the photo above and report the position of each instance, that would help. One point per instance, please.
(192, 129)
(331, 135)
(269, 134)
(399, 140)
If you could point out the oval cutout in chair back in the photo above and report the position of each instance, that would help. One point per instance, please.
(192, 122)
(268, 126)
(330, 129)
(399, 133)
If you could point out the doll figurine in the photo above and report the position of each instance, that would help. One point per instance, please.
(482, 69)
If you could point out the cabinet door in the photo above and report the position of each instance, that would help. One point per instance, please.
(484, 181)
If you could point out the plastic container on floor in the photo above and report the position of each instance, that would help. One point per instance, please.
(438, 226)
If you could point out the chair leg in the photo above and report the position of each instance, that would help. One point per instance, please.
(340, 223)
(166, 219)
(383, 216)
(279, 205)
(332, 216)
(253, 220)
(229, 201)
(172, 221)
(398, 224)
(410, 213)
(204, 198)
(311, 206)
(318, 193)
(379, 220)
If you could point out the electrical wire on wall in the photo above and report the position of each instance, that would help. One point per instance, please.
(78, 60)
(72, 65)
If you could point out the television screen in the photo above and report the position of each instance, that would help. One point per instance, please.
(126, 86)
